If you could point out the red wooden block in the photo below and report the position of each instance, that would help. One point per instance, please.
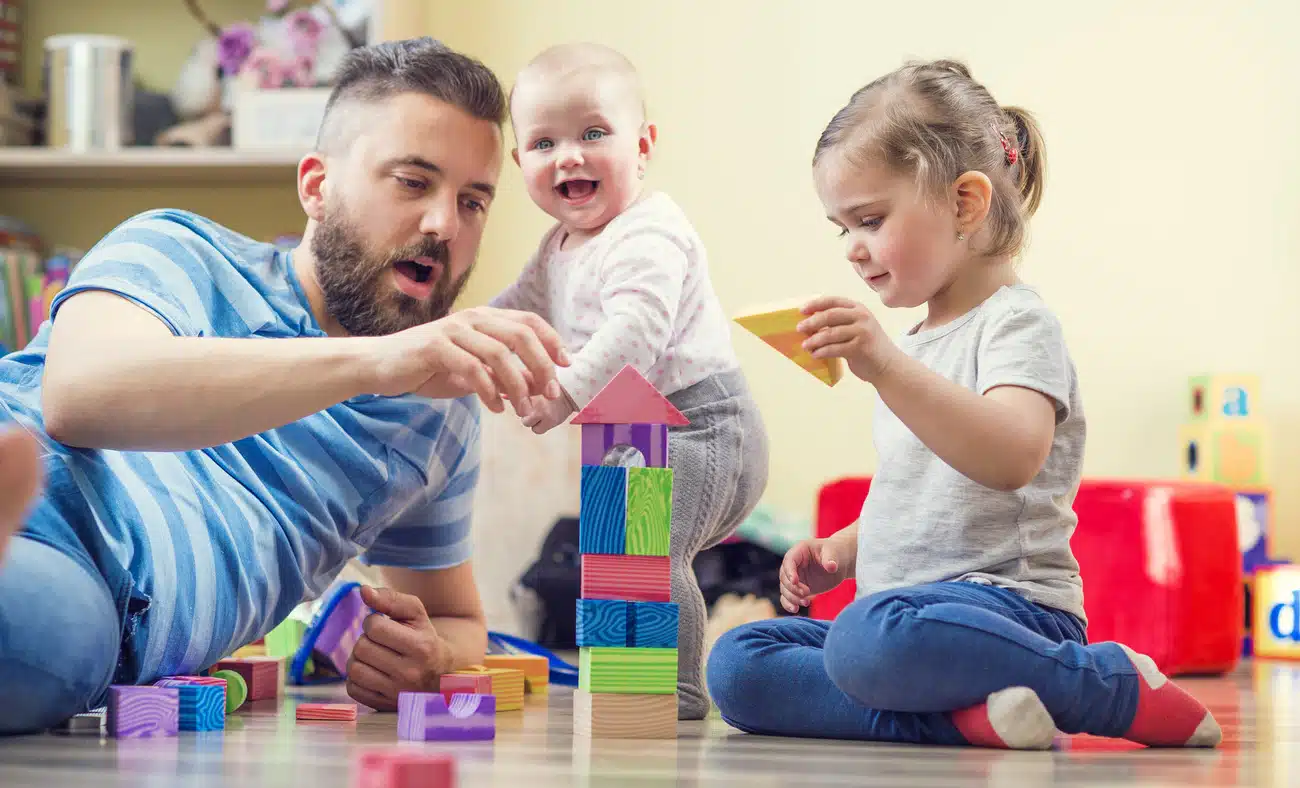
(470, 684)
(405, 769)
(262, 676)
(632, 578)
(329, 712)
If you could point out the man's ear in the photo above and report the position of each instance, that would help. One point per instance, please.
(312, 185)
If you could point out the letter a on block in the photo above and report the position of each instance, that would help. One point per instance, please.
(630, 399)
(602, 516)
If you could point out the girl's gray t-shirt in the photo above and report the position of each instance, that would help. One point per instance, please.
(924, 522)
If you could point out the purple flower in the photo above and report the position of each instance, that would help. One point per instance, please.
(234, 46)
(304, 32)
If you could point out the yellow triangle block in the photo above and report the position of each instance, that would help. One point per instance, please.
(776, 327)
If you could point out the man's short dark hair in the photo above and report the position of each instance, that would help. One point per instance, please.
(417, 65)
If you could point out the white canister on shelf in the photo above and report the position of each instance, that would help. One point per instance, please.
(88, 85)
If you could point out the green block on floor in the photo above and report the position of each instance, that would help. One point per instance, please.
(628, 671)
(284, 640)
(649, 510)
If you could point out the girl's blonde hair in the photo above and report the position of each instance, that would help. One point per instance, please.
(934, 122)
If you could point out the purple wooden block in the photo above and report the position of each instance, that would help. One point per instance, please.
(342, 630)
(143, 712)
(425, 716)
(649, 439)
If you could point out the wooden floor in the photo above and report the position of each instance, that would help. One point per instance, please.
(1258, 706)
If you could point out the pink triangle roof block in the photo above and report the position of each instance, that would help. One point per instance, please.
(630, 399)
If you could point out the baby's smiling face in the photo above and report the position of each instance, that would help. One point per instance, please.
(583, 145)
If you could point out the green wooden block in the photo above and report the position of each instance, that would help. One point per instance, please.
(284, 640)
(649, 510)
(628, 671)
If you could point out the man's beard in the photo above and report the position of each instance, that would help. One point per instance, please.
(357, 287)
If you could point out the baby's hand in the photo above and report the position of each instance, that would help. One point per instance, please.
(844, 328)
(810, 568)
(547, 414)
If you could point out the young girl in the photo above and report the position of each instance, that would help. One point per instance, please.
(969, 627)
(624, 278)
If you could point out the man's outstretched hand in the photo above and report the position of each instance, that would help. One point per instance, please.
(399, 652)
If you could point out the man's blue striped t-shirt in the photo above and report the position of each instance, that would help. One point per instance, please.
(223, 542)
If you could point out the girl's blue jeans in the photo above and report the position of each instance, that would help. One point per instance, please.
(892, 665)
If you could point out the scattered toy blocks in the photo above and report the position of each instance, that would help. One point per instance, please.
(262, 676)
(143, 712)
(642, 578)
(427, 716)
(202, 705)
(467, 683)
(602, 518)
(507, 685)
(631, 671)
(649, 510)
(536, 669)
(326, 712)
(629, 398)
(776, 327)
(405, 769)
(619, 716)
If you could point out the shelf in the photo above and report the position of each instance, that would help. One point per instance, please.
(37, 166)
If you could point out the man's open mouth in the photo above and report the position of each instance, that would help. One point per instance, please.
(416, 271)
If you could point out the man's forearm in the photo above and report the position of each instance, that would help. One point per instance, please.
(180, 393)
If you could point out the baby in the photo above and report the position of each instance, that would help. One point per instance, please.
(623, 277)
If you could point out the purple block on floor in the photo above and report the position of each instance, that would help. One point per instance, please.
(426, 716)
(143, 712)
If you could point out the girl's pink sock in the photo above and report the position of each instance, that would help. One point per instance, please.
(1166, 715)
(1011, 719)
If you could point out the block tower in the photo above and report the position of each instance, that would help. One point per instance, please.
(626, 623)
(1225, 440)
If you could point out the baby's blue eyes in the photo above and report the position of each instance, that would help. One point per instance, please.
(590, 135)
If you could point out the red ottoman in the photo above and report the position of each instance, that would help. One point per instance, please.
(1160, 563)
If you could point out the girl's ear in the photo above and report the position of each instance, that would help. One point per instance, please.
(972, 194)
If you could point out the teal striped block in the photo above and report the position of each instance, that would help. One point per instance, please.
(202, 706)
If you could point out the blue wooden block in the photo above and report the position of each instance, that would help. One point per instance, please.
(652, 625)
(602, 518)
(602, 622)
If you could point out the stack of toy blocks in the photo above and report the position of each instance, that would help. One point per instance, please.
(626, 625)
(1225, 441)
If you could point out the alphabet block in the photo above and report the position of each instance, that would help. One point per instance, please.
(426, 716)
(1276, 626)
(649, 510)
(628, 671)
(1234, 454)
(1220, 397)
(602, 516)
(602, 622)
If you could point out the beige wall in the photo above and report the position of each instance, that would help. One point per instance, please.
(1167, 241)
